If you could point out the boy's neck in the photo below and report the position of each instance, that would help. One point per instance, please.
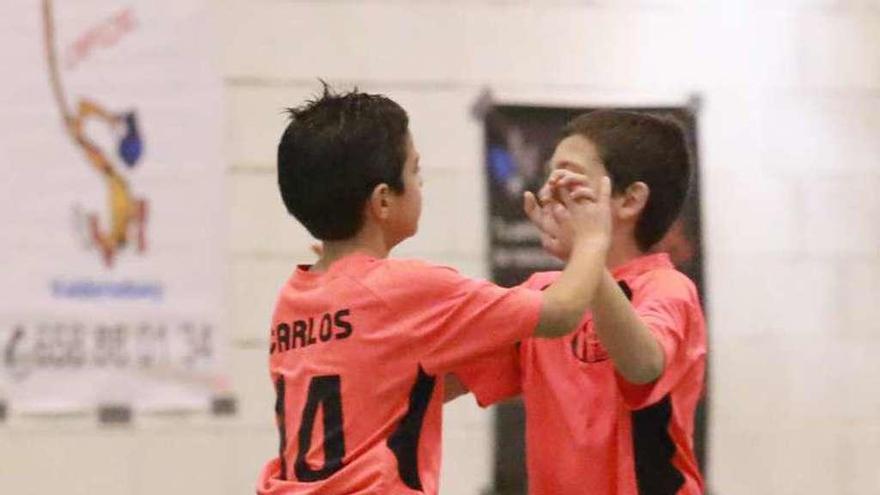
(368, 241)
(623, 250)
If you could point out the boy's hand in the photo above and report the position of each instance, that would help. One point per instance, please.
(585, 208)
(570, 212)
(540, 214)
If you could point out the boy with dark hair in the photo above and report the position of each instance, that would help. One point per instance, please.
(357, 339)
(610, 408)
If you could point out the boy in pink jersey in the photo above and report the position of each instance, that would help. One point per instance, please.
(610, 408)
(358, 340)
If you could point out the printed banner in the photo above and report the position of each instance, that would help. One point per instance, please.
(112, 208)
(519, 142)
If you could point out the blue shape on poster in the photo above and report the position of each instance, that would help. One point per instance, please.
(131, 146)
(501, 164)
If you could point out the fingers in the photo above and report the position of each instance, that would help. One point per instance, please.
(583, 194)
(555, 176)
(571, 197)
(562, 179)
(578, 186)
(531, 207)
(566, 178)
(542, 216)
(545, 195)
(559, 212)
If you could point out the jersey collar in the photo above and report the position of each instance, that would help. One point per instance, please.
(341, 265)
(640, 265)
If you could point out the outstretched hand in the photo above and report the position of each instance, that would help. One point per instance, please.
(570, 209)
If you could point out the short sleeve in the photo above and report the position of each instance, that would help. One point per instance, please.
(493, 378)
(672, 313)
(453, 318)
(497, 377)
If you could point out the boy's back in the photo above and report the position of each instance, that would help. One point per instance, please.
(357, 339)
(355, 353)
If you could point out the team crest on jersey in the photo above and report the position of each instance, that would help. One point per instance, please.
(585, 344)
(586, 347)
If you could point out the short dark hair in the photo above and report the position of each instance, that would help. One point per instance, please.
(336, 149)
(636, 146)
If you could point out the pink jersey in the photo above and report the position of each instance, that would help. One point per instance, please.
(588, 431)
(355, 355)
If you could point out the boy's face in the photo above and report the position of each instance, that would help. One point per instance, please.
(578, 154)
(405, 220)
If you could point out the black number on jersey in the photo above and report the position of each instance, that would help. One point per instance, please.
(280, 420)
(324, 392)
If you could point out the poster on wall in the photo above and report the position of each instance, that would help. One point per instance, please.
(519, 141)
(112, 209)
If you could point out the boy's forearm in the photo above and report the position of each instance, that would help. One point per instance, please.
(566, 301)
(636, 354)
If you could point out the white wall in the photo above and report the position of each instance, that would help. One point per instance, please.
(789, 144)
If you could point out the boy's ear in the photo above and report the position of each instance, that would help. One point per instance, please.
(633, 200)
(380, 201)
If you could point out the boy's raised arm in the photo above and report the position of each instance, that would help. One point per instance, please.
(636, 354)
(584, 214)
